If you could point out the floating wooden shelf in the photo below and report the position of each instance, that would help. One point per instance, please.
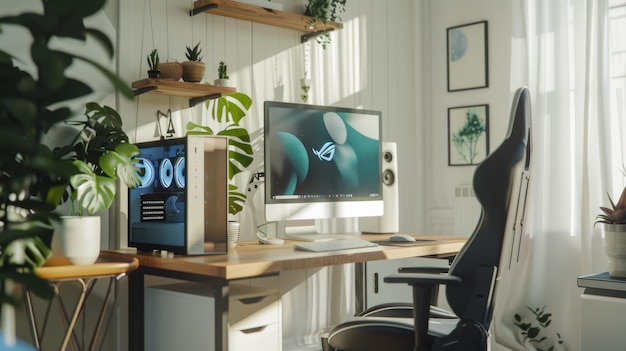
(264, 15)
(195, 91)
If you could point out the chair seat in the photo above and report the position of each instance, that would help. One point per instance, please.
(404, 310)
(384, 333)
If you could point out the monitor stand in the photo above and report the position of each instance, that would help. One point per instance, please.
(324, 230)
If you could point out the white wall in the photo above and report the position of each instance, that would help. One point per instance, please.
(373, 63)
(441, 179)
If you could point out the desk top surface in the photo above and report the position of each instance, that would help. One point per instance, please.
(251, 259)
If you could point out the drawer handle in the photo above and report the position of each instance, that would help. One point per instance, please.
(254, 330)
(252, 300)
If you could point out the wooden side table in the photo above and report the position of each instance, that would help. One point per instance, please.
(109, 266)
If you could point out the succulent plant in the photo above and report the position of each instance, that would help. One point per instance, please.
(153, 60)
(194, 54)
(616, 214)
(222, 71)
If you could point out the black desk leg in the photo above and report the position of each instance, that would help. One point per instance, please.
(136, 310)
(221, 316)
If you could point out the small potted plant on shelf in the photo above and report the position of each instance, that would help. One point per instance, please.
(102, 154)
(222, 74)
(614, 221)
(153, 64)
(193, 70)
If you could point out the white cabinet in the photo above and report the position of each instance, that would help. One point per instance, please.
(602, 323)
(603, 312)
(181, 317)
(378, 292)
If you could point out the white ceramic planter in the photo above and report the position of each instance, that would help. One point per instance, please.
(222, 82)
(233, 231)
(615, 249)
(77, 240)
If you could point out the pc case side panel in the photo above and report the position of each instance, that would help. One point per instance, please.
(216, 194)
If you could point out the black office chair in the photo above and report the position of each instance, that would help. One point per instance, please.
(500, 184)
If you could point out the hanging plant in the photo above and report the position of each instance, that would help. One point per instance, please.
(324, 11)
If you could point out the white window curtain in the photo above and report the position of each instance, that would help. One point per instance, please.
(560, 51)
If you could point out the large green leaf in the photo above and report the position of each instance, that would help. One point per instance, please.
(236, 199)
(231, 107)
(203, 130)
(93, 192)
(119, 163)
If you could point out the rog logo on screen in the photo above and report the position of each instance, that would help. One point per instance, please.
(326, 153)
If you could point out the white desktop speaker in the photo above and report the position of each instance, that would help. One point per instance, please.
(389, 222)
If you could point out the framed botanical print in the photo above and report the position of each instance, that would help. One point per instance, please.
(468, 135)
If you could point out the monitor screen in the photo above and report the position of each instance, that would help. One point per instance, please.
(321, 162)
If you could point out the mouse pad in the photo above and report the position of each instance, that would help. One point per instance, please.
(405, 243)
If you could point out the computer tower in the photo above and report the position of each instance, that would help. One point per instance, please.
(182, 204)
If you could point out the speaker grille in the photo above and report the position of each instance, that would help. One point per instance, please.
(388, 177)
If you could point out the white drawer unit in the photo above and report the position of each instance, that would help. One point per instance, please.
(181, 317)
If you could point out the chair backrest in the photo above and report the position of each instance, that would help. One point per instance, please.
(498, 185)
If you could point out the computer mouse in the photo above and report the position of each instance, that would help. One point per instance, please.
(402, 238)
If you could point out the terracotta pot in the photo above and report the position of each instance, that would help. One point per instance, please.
(193, 71)
(615, 249)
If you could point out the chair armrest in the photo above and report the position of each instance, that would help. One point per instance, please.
(425, 269)
(422, 284)
(434, 296)
(423, 279)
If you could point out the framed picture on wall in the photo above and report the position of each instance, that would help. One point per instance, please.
(468, 66)
(468, 135)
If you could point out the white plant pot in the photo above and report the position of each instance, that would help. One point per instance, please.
(77, 240)
(615, 249)
(233, 231)
(222, 82)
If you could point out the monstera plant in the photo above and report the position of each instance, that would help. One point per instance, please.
(32, 101)
(228, 111)
(101, 152)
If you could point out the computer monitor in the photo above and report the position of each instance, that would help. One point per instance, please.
(321, 162)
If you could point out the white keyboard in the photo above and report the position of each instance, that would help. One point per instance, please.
(334, 245)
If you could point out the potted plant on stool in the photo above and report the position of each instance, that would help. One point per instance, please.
(102, 154)
(32, 105)
(614, 220)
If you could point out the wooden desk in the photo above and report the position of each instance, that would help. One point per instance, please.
(251, 259)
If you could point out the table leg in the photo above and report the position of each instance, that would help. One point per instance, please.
(136, 310)
(221, 316)
(32, 323)
(79, 306)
